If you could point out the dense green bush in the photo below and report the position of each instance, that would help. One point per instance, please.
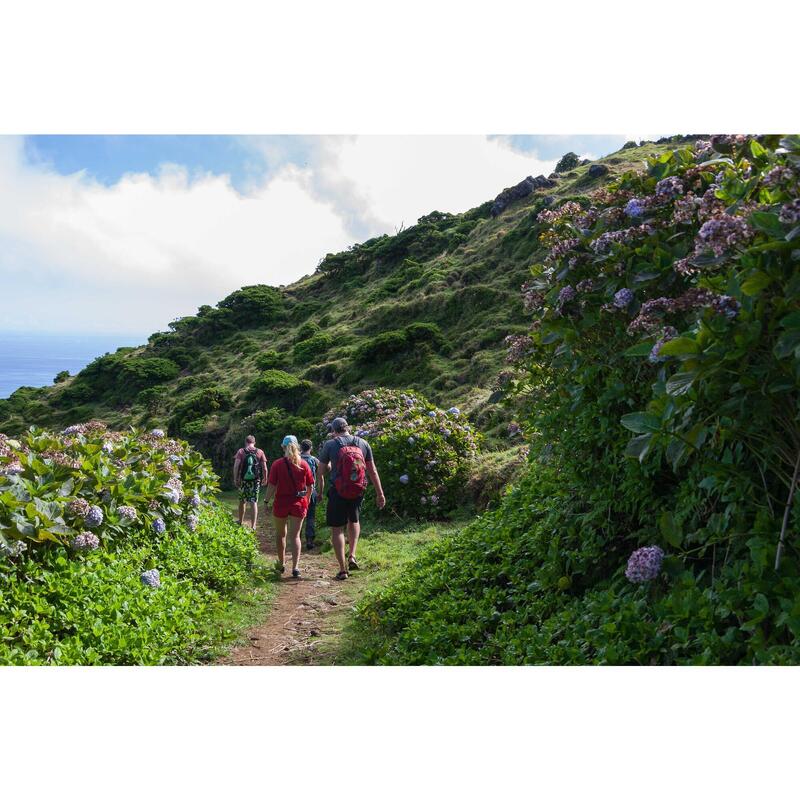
(274, 387)
(567, 162)
(305, 351)
(197, 405)
(695, 258)
(419, 336)
(268, 359)
(254, 305)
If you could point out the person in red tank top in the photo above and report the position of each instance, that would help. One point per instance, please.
(290, 483)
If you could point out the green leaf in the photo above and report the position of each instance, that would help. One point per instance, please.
(681, 346)
(639, 446)
(755, 283)
(670, 530)
(768, 222)
(757, 150)
(791, 320)
(641, 349)
(640, 422)
(787, 343)
(676, 449)
(680, 383)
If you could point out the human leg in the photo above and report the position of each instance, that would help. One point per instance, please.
(311, 522)
(294, 525)
(280, 538)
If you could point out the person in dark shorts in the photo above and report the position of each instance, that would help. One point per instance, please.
(348, 460)
(249, 475)
(319, 487)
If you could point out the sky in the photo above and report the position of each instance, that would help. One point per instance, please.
(122, 234)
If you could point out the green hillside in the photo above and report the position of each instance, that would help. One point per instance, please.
(427, 309)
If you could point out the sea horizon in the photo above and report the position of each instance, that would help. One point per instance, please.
(34, 358)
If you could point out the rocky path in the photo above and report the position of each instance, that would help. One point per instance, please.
(306, 614)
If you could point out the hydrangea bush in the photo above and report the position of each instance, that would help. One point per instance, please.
(57, 486)
(422, 452)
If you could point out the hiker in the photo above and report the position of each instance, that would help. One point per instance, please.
(349, 461)
(290, 483)
(316, 491)
(249, 475)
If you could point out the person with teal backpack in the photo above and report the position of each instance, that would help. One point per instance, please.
(319, 487)
(249, 475)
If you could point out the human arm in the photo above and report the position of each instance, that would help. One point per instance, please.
(375, 479)
(320, 487)
(324, 465)
(236, 463)
(264, 468)
(272, 486)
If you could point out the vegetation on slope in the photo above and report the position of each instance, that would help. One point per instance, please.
(426, 309)
(659, 382)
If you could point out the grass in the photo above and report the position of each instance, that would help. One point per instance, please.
(383, 553)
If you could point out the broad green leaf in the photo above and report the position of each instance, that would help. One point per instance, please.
(670, 530)
(787, 343)
(768, 222)
(641, 349)
(755, 283)
(640, 422)
(791, 320)
(639, 446)
(680, 383)
(683, 345)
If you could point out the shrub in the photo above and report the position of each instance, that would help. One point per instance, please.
(199, 404)
(306, 350)
(268, 359)
(567, 162)
(61, 376)
(278, 388)
(306, 331)
(254, 305)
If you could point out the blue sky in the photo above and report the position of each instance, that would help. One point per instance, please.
(125, 233)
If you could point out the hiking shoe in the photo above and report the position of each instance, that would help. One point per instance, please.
(341, 576)
(309, 545)
(281, 568)
(353, 564)
(295, 573)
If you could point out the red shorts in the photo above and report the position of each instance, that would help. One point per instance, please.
(289, 507)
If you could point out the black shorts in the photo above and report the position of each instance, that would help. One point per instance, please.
(341, 510)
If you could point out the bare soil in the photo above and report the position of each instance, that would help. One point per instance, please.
(305, 616)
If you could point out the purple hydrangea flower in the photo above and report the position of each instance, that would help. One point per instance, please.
(195, 501)
(790, 213)
(78, 507)
(434, 500)
(623, 298)
(644, 564)
(108, 447)
(159, 526)
(669, 187)
(727, 305)
(192, 521)
(635, 207)
(72, 429)
(151, 577)
(655, 354)
(566, 294)
(14, 468)
(127, 512)
(94, 517)
(157, 433)
(85, 541)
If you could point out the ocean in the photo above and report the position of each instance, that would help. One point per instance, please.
(34, 359)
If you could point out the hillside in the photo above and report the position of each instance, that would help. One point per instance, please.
(427, 309)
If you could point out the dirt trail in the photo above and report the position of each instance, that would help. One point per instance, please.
(304, 613)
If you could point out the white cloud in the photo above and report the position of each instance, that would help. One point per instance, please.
(79, 255)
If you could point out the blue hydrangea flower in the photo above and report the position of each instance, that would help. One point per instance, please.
(566, 294)
(411, 440)
(726, 305)
(623, 298)
(127, 512)
(94, 517)
(108, 447)
(192, 521)
(454, 411)
(151, 577)
(195, 501)
(404, 479)
(635, 207)
(159, 526)
(644, 564)
(157, 433)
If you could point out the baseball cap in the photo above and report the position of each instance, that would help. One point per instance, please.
(287, 440)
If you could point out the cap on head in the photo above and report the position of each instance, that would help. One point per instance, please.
(287, 440)
(340, 425)
(250, 439)
(305, 445)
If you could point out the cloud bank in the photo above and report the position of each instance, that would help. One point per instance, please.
(80, 255)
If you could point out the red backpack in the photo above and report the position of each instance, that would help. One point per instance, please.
(351, 471)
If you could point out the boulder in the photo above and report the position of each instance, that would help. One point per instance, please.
(597, 170)
(518, 192)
